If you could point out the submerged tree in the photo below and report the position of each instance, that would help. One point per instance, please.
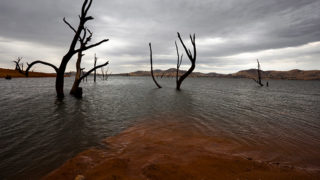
(191, 58)
(76, 90)
(154, 80)
(84, 18)
(19, 66)
(259, 75)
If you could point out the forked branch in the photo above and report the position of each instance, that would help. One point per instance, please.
(191, 57)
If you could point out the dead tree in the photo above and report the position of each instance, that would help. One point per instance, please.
(152, 67)
(259, 75)
(84, 18)
(191, 58)
(19, 66)
(95, 72)
(179, 61)
(76, 90)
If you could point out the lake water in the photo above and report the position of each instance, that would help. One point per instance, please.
(279, 123)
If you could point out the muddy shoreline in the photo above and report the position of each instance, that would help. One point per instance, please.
(170, 151)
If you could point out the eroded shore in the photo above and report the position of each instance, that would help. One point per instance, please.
(170, 151)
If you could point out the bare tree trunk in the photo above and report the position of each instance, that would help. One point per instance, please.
(191, 58)
(60, 75)
(154, 80)
(75, 90)
(259, 74)
(179, 61)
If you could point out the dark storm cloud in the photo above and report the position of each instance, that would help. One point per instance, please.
(223, 27)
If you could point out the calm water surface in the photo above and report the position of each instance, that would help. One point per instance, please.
(279, 123)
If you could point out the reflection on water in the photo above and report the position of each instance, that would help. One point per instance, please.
(38, 133)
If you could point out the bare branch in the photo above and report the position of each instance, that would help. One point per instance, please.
(84, 35)
(152, 67)
(83, 9)
(18, 67)
(72, 28)
(88, 18)
(91, 46)
(88, 7)
(88, 73)
(89, 37)
(39, 62)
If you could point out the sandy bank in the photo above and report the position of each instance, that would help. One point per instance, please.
(16, 74)
(169, 151)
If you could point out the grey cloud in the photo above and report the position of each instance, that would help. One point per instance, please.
(263, 25)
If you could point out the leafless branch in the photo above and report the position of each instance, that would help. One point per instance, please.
(40, 62)
(72, 28)
(91, 46)
(91, 70)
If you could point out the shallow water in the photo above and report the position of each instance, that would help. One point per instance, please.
(279, 123)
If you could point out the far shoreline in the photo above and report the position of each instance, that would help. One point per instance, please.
(16, 74)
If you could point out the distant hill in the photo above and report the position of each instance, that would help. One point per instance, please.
(16, 74)
(250, 73)
(295, 74)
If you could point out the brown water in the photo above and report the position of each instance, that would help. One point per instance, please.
(279, 123)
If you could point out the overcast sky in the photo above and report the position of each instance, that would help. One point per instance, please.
(230, 34)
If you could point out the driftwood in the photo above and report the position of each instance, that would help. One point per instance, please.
(191, 57)
(154, 80)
